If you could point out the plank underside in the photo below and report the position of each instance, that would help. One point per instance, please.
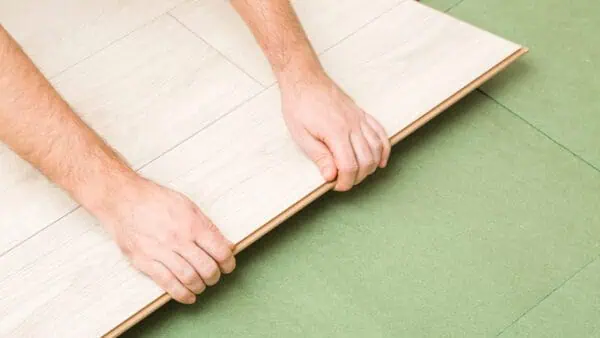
(235, 159)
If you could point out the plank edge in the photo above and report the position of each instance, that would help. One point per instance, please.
(321, 190)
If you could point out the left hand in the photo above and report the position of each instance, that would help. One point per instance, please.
(342, 140)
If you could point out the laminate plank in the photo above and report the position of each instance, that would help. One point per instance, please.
(160, 80)
(244, 170)
(477, 217)
(326, 23)
(60, 33)
(268, 168)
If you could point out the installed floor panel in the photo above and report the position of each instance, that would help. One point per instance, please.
(85, 286)
(326, 23)
(58, 34)
(145, 85)
(476, 219)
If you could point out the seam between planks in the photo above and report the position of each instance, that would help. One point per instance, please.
(321, 190)
(560, 286)
(451, 7)
(362, 27)
(217, 50)
(263, 86)
(540, 131)
(208, 125)
(114, 41)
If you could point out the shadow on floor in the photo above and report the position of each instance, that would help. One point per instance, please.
(276, 239)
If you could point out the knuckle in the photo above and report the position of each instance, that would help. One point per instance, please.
(322, 157)
(228, 268)
(348, 168)
(188, 276)
(168, 236)
(205, 227)
(170, 283)
(341, 127)
(213, 276)
(182, 295)
(223, 255)
(163, 278)
(200, 288)
(211, 268)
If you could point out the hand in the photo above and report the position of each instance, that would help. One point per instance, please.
(344, 141)
(168, 238)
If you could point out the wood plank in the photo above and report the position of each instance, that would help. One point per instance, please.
(58, 34)
(315, 194)
(145, 85)
(404, 68)
(326, 23)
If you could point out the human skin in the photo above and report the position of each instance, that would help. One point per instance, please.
(162, 232)
(345, 142)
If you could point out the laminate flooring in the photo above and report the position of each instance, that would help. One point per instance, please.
(181, 90)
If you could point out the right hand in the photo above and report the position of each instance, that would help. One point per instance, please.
(167, 237)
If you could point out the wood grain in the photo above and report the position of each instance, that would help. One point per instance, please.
(321, 190)
(326, 23)
(244, 171)
(58, 34)
(144, 95)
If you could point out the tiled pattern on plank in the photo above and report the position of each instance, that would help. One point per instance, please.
(477, 217)
(557, 86)
(326, 23)
(58, 34)
(248, 150)
(571, 311)
(144, 95)
(377, 74)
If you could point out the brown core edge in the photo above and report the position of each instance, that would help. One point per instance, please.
(318, 192)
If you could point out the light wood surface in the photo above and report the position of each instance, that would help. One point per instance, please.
(242, 169)
(325, 187)
(144, 94)
(59, 33)
(326, 22)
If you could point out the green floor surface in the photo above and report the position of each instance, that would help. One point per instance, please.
(477, 219)
(442, 5)
(557, 87)
(572, 311)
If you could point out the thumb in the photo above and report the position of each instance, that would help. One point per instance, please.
(318, 152)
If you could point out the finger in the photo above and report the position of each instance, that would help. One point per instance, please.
(345, 161)
(183, 270)
(385, 140)
(318, 152)
(165, 280)
(204, 265)
(374, 143)
(362, 150)
(211, 240)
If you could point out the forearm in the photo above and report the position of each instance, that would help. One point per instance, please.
(279, 33)
(41, 128)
